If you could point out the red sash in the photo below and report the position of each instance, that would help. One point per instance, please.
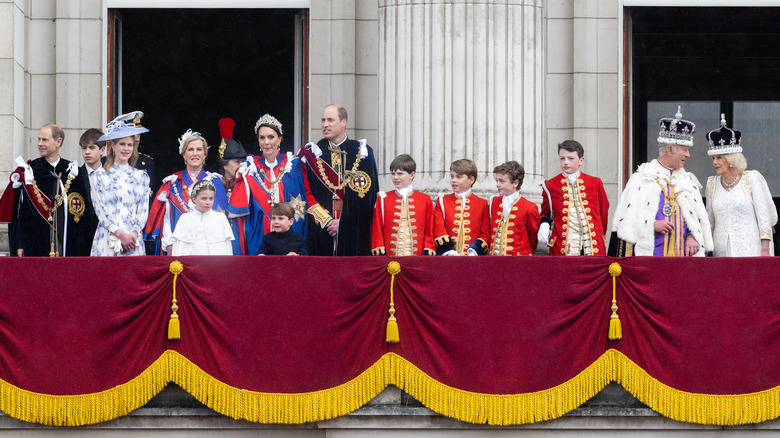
(330, 174)
(9, 200)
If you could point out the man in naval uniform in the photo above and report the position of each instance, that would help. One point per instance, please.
(661, 212)
(44, 200)
(343, 178)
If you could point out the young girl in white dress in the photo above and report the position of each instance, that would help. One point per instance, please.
(120, 192)
(202, 231)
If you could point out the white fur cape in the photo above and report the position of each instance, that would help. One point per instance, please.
(638, 206)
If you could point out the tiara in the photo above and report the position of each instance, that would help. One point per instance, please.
(268, 119)
(199, 185)
(184, 137)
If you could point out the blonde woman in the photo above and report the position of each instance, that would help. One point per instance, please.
(120, 192)
(739, 204)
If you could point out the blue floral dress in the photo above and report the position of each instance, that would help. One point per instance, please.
(121, 201)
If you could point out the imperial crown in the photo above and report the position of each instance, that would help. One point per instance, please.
(676, 130)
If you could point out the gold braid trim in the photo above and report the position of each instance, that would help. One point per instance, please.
(442, 239)
(320, 215)
(390, 369)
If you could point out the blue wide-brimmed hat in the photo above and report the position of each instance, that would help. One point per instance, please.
(126, 125)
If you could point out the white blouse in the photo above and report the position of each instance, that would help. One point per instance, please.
(741, 217)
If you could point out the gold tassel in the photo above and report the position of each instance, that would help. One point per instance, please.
(392, 324)
(174, 331)
(615, 331)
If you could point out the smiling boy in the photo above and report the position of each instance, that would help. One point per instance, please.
(461, 223)
(403, 218)
(514, 220)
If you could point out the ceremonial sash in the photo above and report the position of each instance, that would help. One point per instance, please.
(261, 195)
(39, 206)
(330, 174)
(185, 196)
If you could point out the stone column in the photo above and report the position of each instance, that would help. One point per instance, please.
(78, 69)
(461, 79)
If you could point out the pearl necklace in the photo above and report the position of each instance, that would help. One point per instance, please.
(728, 186)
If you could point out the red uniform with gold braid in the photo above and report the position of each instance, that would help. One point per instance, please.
(458, 226)
(515, 234)
(579, 215)
(402, 228)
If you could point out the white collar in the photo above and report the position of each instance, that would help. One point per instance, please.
(340, 143)
(54, 164)
(405, 191)
(90, 170)
(463, 194)
(572, 177)
(510, 198)
(123, 166)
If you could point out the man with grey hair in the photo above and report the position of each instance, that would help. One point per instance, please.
(661, 212)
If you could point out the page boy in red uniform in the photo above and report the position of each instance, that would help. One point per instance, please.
(403, 218)
(514, 220)
(575, 206)
(461, 221)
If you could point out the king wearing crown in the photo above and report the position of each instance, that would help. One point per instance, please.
(660, 212)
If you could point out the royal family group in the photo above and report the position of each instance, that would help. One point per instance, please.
(324, 200)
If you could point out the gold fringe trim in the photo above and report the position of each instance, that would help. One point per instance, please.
(720, 409)
(263, 407)
(493, 409)
(79, 410)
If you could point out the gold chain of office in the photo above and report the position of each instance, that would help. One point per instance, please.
(58, 199)
(347, 177)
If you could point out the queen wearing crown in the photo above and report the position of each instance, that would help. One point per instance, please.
(267, 180)
(739, 204)
(173, 200)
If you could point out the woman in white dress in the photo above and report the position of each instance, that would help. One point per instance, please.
(120, 193)
(739, 203)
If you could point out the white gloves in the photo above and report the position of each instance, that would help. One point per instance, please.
(544, 233)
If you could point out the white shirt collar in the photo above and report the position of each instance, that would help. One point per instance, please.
(572, 177)
(405, 191)
(54, 164)
(508, 200)
(463, 194)
(90, 170)
(340, 143)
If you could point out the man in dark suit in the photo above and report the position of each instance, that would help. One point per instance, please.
(41, 202)
(343, 178)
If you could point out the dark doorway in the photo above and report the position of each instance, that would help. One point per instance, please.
(706, 59)
(710, 61)
(187, 68)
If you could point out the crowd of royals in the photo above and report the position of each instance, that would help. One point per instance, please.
(324, 200)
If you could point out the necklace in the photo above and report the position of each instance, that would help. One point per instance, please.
(347, 177)
(728, 186)
(58, 199)
(274, 184)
